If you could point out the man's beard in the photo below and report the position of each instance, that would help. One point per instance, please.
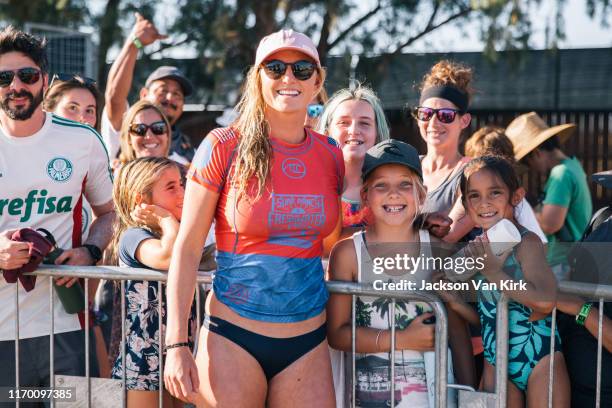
(23, 112)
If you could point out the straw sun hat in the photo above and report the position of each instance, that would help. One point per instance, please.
(528, 131)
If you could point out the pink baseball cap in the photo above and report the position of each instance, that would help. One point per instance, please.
(286, 40)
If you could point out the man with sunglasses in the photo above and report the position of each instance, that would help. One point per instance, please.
(167, 87)
(47, 164)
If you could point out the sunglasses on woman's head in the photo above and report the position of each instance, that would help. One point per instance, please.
(302, 70)
(28, 76)
(72, 77)
(140, 129)
(444, 115)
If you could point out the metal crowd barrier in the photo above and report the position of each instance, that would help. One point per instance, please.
(123, 274)
(497, 399)
(109, 273)
(441, 334)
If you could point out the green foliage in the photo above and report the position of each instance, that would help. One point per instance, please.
(363, 314)
(63, 13)
(225, 33)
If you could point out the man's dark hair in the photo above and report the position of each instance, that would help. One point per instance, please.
(13, 40)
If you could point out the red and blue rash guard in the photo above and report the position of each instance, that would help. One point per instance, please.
(269, 250)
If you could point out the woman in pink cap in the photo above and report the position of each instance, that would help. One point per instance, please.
(273, 188)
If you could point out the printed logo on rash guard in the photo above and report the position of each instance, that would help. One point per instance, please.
(294, 219)
(35, 202)
(294, 168)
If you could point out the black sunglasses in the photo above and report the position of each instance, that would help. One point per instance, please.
(444, 115)
(72, 77)
(302, 70)
(140, 129)
(28, 76)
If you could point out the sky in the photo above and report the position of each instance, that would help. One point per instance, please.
(581, 31)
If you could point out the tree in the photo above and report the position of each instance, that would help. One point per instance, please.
(226, 34)
(65, 13)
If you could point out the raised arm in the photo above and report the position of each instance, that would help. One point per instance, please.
(540, 286)
(121, 73)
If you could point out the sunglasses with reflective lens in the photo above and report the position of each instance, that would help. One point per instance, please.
(302, 70)
(140, 129)
(315, 110)
(444, 115)
(28, 76)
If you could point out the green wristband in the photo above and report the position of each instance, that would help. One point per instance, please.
(137, 43)
(583, 314)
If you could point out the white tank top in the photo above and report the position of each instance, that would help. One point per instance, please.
(373, 369)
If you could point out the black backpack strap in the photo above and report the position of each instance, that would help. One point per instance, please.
(598, 218)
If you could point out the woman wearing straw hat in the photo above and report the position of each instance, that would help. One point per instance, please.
(274, 189)
(566, 205)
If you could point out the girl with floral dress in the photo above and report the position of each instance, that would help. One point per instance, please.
(148, 195)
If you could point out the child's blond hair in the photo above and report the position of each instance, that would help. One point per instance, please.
(419, 192)
(132, 186)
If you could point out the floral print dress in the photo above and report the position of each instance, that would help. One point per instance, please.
(142, 320)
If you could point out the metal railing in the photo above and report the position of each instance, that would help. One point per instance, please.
(441, 334)
(349, 288)
(590, 291)
(109, 273)
(123, 274)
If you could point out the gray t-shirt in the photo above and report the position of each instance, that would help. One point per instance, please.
(442, 198)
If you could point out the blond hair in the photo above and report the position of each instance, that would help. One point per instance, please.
(419, 191)
(358, 93)
(127, 151)
(254, 154)
(133, 185)
(447, 72)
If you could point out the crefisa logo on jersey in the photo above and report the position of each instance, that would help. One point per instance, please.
(59, 169)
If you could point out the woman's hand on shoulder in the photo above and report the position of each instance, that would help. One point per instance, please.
(436, 223)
